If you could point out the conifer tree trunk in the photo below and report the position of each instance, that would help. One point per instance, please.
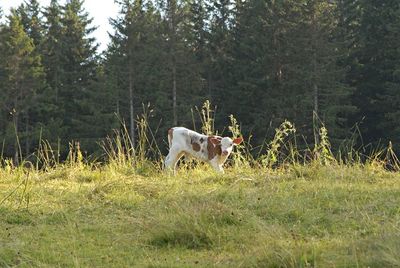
(314, 63)
(278, 64)
(16, 153)
(56, 86)
(174, 106)
(172, 20)
(315, 90)
(131, 111)
(27, 140)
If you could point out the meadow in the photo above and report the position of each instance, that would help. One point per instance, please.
(265, 212)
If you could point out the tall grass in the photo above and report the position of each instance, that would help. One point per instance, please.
(46, 156)
(120, 152)
(280, 152)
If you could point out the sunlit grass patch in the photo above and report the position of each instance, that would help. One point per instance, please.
(328, 216)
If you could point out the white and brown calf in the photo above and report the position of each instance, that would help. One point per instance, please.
(212, 149)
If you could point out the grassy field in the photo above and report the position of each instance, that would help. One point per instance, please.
(299, 216)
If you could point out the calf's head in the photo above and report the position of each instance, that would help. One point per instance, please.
(226, 144)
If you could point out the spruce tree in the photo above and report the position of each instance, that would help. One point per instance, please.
(23, 75)
(126, 50)
(374, 64)
(328, 92)
(78, 65)
(52, 55)
(31, 19)
(220, 38)
(3, 76)
(197, 38)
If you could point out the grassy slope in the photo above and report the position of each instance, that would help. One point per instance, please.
(304, 216)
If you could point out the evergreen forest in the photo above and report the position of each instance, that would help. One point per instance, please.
(312, 62)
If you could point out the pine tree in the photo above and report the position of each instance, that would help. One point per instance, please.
(197, 29)
(23, 78)
(127, 50)
(330, 94)
(251, 68)
(29, 12)
(78, 65)
(174, 17)
(220, 25)
(3, 76)
(52, 110)
(373, 28)
(197, 38)
(52, 47)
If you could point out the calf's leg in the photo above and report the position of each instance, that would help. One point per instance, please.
(218, 167)
(172, 158)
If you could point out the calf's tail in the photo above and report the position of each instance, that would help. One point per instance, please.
(170, 136)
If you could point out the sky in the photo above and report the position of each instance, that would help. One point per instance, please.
(99, 10)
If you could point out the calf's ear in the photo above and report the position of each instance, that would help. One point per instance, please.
(238, 141)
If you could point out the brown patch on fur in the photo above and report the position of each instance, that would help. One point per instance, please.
(196, 146)
(212, 149)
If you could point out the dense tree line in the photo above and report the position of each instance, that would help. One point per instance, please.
(308, 61)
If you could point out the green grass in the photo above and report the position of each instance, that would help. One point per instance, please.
(300, 216)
